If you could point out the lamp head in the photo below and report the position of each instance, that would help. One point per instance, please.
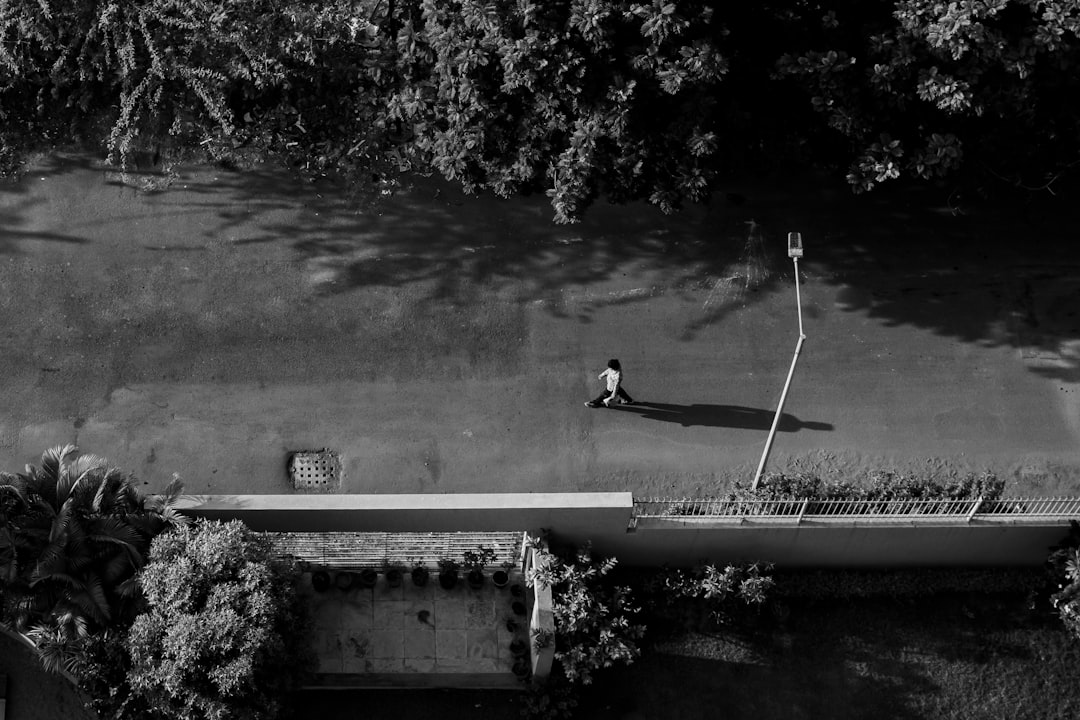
(794, 245)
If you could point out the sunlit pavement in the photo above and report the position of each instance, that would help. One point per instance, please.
(446, 344)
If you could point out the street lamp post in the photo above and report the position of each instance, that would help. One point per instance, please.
(794, 251)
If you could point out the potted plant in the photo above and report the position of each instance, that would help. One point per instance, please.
(518, 607)
(518, 647)
(368, 577)
(448, 573)
(501, 578)
(393, 573)
(343, 580)
(521, 668)
(474, 562)
(542, 638)
(320, 580)
(420, 575)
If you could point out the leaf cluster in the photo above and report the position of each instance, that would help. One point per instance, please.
(595, 623)
(223, 636)
(879, 485)
(74, 532)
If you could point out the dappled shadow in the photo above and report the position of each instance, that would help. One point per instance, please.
(995, 275)
(666, 687)
(12, 218)
(729, 416)
(941, 656)
(984, 275)
(429, 236)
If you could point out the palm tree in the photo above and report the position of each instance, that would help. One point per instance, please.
(77, 545)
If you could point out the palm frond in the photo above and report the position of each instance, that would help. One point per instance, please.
(60, 522)
(14, 488)
(54, 470)
(119, 565)
(128, 588)
(52, 561)
(99, 609)
(53, 458)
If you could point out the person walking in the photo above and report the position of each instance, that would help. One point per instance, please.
(614, 376)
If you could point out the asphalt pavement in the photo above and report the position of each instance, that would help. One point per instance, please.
(209, 323)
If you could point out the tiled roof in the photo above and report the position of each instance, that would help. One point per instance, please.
(372, 549)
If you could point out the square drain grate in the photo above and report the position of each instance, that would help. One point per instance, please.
(316, 470)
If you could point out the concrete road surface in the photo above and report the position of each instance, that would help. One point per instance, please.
(209, 323)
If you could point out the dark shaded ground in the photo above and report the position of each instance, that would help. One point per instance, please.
(32, 693)
(972, 657)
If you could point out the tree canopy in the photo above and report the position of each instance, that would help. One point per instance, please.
(223, 636)
(74, 532)
(621, 99)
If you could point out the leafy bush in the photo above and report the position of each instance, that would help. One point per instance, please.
(224, 635)
(594, 619)
(1064, 565)
(881, 485)
(721, 592)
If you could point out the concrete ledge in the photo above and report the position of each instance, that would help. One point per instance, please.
(571, 513)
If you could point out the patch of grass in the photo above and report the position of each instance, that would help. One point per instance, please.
(952, 656)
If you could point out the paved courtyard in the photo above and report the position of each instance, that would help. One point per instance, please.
(415, 636)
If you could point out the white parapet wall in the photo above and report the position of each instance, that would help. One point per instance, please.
(608, 521)
(576, 514)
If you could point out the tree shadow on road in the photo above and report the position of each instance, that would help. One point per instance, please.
(729, 416)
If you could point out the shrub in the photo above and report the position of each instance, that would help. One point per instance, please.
(224, 635)
(1064, 566)
(594, 619)
(881, 485)
(721, 592)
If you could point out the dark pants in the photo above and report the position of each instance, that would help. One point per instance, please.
(618, 391)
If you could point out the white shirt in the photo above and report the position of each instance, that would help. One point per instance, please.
(614, 377)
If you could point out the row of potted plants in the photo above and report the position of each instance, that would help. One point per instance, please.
(473, 562)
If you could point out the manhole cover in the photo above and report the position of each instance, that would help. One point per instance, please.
(317, 470)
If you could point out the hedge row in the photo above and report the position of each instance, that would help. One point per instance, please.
(880, 485)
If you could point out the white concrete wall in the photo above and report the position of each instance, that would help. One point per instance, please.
(577, 513)
(604, 519)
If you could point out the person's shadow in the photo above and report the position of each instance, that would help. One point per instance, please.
(732, 416)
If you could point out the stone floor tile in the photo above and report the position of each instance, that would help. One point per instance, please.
(358, 665)
(388, 665)
(325, 611)
(481, 644)
(420, 665)
(450, 613)
(356, 614)
(419, 643)
(390, 614)
(410, 591)
(355, 643)
(328, 649)
(413, 617)
(504, 636)
(456, 665)
(479, 613)
(383, 591)
(450, 645)
(387, 644)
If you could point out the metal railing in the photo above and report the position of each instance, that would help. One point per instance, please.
(1057, 508)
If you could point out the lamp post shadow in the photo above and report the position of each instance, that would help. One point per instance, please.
(730, 416)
